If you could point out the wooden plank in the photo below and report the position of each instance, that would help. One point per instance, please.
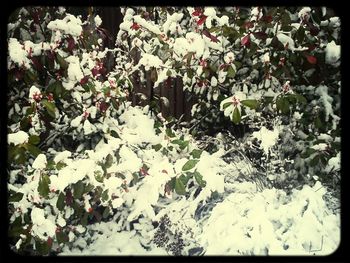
(165, 93)
(179, 95)
(172, 97)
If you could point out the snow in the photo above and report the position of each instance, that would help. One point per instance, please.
(266, 58)
(98, 20)
(76, 121)
(17, 138)
(333, 164)
(17, 53)
(34, 92)
(239, 96)
(149, 61)
(75, 73)
(320, 147)
(268, 138)
(327, 101)
(286, 225)
(113, 242)
(304, 13)
(69, 25)
(88, 127)
(42, 227)
(229, 57)
(62, 156)
(142, 22)
(172, 22)
(332, 53)
(40, 162)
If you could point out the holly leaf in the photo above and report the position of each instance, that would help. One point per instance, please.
(16, 197)
(62, 237)
(42, 247)
(60, 201)
(61, 61)
(78, 189)
(43, 187)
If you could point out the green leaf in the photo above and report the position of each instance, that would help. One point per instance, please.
(109, 161)
(78, 189)
(60, 201)
(236, 116)
(185, 178)
(56, 88)
(42, 247)
(62, 237)
(84, 219)
(35, 151)
(43, 187)
(227, 104)
(105, 213)
(60, 165)
(190, 164)
(15, 197)
(231, 72)
(98, 176)
(34, 139)
(181, 143)
(50, 107)
(301, 98)
(253, 104)
(50, 165)
(318, 123)
(177, 141)
(172, 183)
(282, 104)
(179, 187)
(300, 34)
(169, 133)
(104, 195)
(199, 179)
(115, 134)
(315, 161)
(61, 61)
(196, 153)
(157, 147)
(88, 188)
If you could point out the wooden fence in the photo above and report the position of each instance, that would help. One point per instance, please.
(171, 89)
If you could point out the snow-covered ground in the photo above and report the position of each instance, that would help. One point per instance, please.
(243, 221)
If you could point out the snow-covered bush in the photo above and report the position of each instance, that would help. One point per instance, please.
(82, 159)
(248, 68)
